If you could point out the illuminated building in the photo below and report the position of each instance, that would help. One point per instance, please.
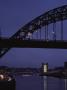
(44, 67)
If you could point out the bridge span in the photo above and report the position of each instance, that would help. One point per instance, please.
(41, 32)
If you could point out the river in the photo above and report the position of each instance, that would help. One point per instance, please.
(40, 83)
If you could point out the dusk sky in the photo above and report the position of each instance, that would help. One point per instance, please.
(14, 14)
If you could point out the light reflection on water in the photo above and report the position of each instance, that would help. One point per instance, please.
(40, 83)
(45, 82)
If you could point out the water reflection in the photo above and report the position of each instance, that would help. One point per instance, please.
(45, 80)
(65, 84)
(40, 83)
(54, 83)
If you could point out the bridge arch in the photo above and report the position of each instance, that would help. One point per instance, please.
(51, 16)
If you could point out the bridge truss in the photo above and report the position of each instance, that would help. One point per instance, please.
(28, 30)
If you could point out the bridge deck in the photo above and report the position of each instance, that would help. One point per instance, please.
(16, 43)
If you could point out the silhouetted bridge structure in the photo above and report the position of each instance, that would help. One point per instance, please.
(11, 43)
(45, 31)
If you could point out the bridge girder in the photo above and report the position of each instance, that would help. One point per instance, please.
(16, 43)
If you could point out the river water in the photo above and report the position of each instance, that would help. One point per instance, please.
(40, 83)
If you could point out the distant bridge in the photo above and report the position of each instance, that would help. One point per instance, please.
(39, 33)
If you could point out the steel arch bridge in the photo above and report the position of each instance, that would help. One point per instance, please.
(36, 33)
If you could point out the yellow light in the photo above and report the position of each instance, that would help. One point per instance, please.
(45, 68)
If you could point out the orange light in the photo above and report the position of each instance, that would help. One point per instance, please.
(1, 77)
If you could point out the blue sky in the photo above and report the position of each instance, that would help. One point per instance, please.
(16, 13)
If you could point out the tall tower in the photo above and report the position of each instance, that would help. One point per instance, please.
(44, 68)
(65, 65)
